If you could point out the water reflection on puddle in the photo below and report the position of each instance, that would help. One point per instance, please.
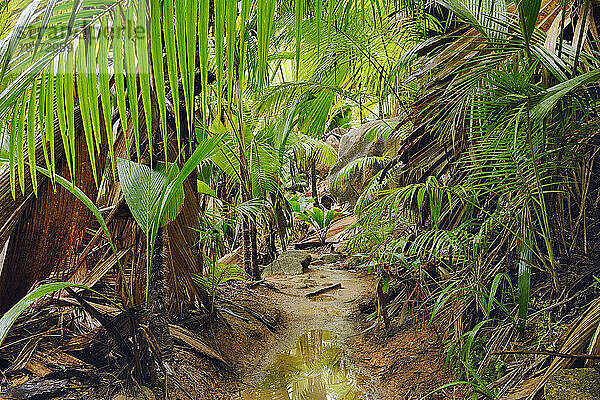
(315, 369)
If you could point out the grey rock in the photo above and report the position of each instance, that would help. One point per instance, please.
(569, 384)
(317, 262)
(291, 262)
(331, 258)
(300, 286)
(352, 147)
(333, 142)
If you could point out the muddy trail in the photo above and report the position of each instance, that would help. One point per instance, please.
(321, 351)
(312, 321)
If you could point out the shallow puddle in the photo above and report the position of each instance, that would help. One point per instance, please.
(316, 368)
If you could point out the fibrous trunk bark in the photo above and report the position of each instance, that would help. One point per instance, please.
(313, 181)
(246, 247)
(254, 251)
(159, 324)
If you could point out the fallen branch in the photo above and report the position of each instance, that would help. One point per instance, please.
(323, 290)
(228, 311)
(264, 283)
(306, 245)
(255, 283)
(550, 353)
(269, 325)
(192, 340)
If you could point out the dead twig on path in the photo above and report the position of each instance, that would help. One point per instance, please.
(270, 325)
(323, 290)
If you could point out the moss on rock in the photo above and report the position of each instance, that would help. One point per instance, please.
(571, 384)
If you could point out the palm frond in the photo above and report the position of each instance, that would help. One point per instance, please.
(352, 168)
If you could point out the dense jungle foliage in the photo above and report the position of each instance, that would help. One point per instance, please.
(144, 140)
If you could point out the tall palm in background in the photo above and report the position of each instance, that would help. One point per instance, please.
(85, 83)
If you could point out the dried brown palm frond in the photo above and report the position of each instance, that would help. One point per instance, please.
(49, 229)
(582, 337)
(12, 208)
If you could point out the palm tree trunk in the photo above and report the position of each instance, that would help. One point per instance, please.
(12, 209)
(159, 324)
(248, 244)
(246, 247)
(313, 181)
(180, 242)
(254, 251)
(184, 259)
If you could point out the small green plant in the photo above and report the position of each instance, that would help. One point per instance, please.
(299, 204)
(217, 275)
(475, 382)
(319, 220)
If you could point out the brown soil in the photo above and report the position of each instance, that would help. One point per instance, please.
(406, 365)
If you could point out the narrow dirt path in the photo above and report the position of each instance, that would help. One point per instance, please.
(330, 311)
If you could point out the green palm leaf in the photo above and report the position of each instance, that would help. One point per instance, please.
(142, 188)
